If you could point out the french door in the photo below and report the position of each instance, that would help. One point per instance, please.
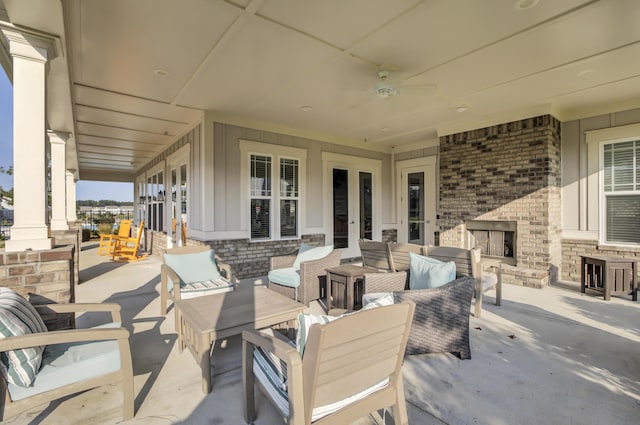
(417, 196)
(177, 182)
(352, 202)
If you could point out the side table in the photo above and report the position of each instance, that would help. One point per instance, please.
(610, 275)
(347, 275)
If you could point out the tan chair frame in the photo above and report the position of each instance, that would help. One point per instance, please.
(334, 367)
(375, 254)
(168, 272)
(124, 375)
(467, 264)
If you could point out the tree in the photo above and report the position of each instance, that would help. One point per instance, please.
(7, 194)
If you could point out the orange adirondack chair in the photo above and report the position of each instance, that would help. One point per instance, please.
(108, 241)
(126, 249)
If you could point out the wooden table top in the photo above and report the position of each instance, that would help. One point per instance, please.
(352, 270)
(214, 313)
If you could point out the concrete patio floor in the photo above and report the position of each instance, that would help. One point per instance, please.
(551, 356)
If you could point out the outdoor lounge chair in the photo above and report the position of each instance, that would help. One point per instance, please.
(192, 271)
(349, 368)
(127, 249)
(108, 241)
(299, 275)
(375, 254)
(468, 264)
(441, 320)
(400, 254)
(46, 366)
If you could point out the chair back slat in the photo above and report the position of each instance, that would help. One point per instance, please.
(334, 365)
(400, 255)
(375, 254)
(466, 260)
(125, 228)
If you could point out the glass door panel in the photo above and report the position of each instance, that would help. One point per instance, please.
(366, 205)
(340, 208)
(416, 215)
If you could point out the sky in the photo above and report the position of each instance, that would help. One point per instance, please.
(85, 190)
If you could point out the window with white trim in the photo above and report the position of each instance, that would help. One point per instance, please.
(274, 207)
(272, 180)
(621, 191)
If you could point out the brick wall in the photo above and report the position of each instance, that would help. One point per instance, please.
(505, 172)
(42, 277)
(573, 248)
(73, 236)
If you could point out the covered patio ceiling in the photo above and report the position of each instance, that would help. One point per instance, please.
(132, 76)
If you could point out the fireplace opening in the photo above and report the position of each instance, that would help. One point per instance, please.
(495, 239)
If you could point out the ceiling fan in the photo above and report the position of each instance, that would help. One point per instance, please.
(386, 89)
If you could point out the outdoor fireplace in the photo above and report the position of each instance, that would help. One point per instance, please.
(495, 239)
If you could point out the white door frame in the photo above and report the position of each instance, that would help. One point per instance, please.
(403, 168)
(355, 165)
(175, 161)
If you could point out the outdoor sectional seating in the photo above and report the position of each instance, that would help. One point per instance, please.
(467, 263)
(441, 320)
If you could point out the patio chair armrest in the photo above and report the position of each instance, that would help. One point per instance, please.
(281, 261)
(225, 270)
(65, 336)
(384, 282)
(112, 308)
(319, 267)
(273, 343)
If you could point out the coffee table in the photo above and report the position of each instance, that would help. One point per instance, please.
(203, 320)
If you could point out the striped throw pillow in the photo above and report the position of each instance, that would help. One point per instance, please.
(18, 317)
(304, 323)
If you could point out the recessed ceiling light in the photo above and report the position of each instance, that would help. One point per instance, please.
(161, 72)
(526, 4)
(585, 72)
(306, 108)
(461, 108)
(385, 129)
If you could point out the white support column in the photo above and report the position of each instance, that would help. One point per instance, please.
(58, 141)
(30, 54)
(71, 196)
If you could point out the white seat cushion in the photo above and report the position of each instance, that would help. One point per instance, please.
(195, 289)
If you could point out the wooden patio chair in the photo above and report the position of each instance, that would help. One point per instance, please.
(49, 365)
(299, 275)
(399, 253)
(192, 271)
(375, 254)
(127, 249)
(349, 368)
(108, 241)
(468, 264)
